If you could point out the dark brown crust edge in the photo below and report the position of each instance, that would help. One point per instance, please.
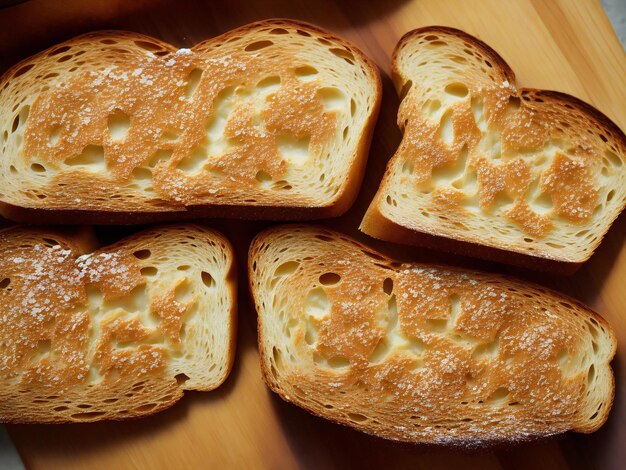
(231, 281)
(378, 226)
(258, 239)
(342, 202)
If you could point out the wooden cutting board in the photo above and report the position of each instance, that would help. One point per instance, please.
(565, 45)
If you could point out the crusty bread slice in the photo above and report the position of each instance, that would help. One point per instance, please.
(423, 353)
(116, 333)
(271, 120)
(519, 175)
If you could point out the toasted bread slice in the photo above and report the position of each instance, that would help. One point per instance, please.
(423, 353)
(518, 175)
(271, 120)
(117, 333)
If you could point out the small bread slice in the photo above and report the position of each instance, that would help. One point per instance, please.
(271, 120)
(423, 353)
(517, 175)
(117, 333)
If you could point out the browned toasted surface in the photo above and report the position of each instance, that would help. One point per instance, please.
(118, 121)
(88, 336)
(531, 171)
(423, 353)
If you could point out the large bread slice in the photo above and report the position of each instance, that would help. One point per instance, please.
(271, 120)
(518, 175)
(117, 333)
(423, 353)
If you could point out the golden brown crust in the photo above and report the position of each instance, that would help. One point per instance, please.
(423, 353)
(546, 166)
(115, 333)
(180, 187)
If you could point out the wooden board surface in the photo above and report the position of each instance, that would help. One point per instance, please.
(565, 45)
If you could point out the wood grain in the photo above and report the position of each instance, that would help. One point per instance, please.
(563, 45)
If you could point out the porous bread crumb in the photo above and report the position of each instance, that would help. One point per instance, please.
(167, 127)
(423, 353)
(481, 161)
(80, 329)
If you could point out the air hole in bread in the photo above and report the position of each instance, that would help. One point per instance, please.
(388, 286)
(37, 168)
(445, 132)
(303, 33)
(345, 132)
(171, 135)
(258, 45)
(279, 31)
(486, 351)
(591, 374)
(329, 279)
(278, 359)
(88, 415)
(148, 46)
(614, 159)
(392, 202)
(458, 90)
(55, 135)
(452, 173)
(282, 184)
(65, 58)
(268, 85)
(181, 379)
(118, 124)
(499, 396)
(352, 107)
(317, 304)
(5, 283)
(286, 269)
(91, 157)
(149, 271)
(59, 50)
(558, 246)
(207, 279)
(159, 156)
(183, 291)
(20, 118)
(195, 161)
(430, 107)
(293, 149)
(50, 242)
(22, 70)
(193, 80)
(142, 254)
(407, 167)
(306, 72)
(311, 333)
(437, 325)
(357, 417)
(140, 173)
(183, 267)
(324, 238)
(332, 98)
(264, 178)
